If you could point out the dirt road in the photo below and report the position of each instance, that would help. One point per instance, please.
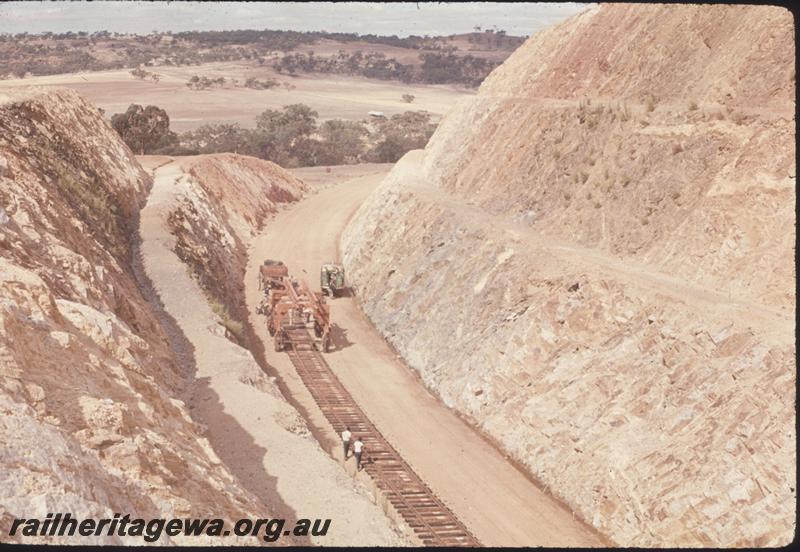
(495, 500)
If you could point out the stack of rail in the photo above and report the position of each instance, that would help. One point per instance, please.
(433, 522)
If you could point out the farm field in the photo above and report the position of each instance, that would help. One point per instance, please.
(332, 96)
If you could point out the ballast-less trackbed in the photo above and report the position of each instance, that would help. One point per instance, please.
(431, 520)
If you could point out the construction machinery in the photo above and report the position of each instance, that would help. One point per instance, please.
(299, 321)
(297, 317)
(270, 276)
(331, 279)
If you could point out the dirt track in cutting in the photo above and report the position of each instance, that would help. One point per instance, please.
(498, 503)
(249, 427)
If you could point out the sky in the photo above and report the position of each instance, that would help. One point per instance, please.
(402, 18)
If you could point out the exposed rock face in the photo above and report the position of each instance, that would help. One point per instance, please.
(228, 198)
(593, 261)
(89, 422)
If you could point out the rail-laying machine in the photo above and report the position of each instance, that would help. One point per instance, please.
(296, 316)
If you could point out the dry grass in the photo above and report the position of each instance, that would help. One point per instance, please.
(234, 326)
(91, 198)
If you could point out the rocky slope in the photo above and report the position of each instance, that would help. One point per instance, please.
(592, 260)
(102, 407)
(90, 420)
(229, 199)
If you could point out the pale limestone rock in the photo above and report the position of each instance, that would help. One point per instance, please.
(655, 331)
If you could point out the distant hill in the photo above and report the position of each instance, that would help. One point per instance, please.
(463, 59)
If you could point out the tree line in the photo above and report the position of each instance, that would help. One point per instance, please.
(435, 67)
(54, 53)
(291, 137)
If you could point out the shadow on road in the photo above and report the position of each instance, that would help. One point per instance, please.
(339, 338)
(345, 292)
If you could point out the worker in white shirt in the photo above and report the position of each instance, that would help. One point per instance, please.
(358, 448)
(346, 441)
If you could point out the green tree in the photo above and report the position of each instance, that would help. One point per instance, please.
(401, 133)
(342, 141)
(283, 136)
(144, 129)
(218, 138)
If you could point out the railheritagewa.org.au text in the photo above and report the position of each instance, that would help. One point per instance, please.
(64, 524)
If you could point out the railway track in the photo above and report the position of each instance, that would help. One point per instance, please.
(432, 521)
